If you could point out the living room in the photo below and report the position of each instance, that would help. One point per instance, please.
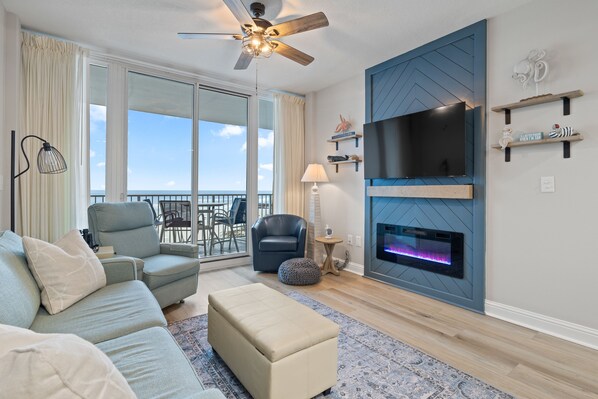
(521, 323)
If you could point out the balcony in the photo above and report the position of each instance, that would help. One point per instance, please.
(217, 237)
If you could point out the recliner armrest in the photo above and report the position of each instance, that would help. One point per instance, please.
(119, 269)
(188, 250)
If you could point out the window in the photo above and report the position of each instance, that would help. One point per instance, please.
(97, 132)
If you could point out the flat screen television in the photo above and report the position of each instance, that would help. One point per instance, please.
(423, 144)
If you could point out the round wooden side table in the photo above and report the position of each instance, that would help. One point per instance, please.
(329, 243)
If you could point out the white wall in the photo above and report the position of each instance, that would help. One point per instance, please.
(10, 67)
(541, 249)
(342, 199)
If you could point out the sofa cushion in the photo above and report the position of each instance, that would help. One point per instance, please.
(153, 364)
(19, 294)
(278, 243)
(56, 366)
(66, 271)
(111, 312)
(161, 269)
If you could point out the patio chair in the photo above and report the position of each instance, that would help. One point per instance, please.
(237, 215)
(176, 218)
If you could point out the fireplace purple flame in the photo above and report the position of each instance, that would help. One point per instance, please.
(433, 250)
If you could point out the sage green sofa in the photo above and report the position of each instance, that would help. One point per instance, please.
(123, 319)
(170, 271)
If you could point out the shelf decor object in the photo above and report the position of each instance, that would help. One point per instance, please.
(49, 161)
(543, 99)
(565, 140)
(532, 67)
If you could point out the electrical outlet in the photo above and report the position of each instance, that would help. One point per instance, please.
(358, 241)
(350, 239)
(547, 184)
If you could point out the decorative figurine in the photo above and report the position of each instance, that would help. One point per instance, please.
(328, 231)
(532, 67)
(343, 126)
(558, 131)
(507, 137)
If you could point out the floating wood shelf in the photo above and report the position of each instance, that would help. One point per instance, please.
(464, 191)
(565, 97)
(355, 137)
(565, 140)
(355, 161)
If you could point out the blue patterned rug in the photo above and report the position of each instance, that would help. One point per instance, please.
(370, 365)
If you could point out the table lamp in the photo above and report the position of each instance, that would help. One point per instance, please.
(315, 174)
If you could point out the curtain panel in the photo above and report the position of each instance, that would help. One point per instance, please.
(53, 95)
(289, 144)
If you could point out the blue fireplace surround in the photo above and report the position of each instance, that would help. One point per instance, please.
(446, 71)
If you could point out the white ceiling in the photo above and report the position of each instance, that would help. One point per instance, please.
(361, 33)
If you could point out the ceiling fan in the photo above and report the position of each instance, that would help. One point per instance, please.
(259, 36)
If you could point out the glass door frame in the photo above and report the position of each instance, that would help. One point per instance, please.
(117, 135)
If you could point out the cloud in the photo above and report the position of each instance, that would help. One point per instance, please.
(229, 131)
(267, 166)
(129, 171)
(260, 177)
(101, 164)
(92, 153)
(97, 113)
(171, 184)
(262, 142)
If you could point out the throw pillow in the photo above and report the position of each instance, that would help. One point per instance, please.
(66, 271)
(56, 366)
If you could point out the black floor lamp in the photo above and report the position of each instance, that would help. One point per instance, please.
(49, 161)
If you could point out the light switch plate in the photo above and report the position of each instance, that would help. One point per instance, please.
(547, 184)
(350, 239)
(358, 241)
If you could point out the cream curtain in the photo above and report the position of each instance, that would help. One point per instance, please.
(53, 107)
(289, 133)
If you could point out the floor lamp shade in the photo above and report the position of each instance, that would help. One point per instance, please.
(49, 161)
(315, 174)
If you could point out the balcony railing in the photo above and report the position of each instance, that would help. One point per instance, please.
(264, 209)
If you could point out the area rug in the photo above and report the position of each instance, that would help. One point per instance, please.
(370, 364)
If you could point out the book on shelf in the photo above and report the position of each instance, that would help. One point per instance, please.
(343, 134)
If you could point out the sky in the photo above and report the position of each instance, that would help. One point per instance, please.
(159, 155)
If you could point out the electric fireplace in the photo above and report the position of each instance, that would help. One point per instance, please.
(436, 251)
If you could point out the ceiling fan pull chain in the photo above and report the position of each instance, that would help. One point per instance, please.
(256, 66)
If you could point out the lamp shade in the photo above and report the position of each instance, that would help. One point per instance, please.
(314, 173)
(50, 160)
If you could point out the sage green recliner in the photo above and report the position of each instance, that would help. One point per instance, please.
(169, 270)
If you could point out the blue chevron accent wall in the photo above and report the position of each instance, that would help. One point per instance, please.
(446, 71)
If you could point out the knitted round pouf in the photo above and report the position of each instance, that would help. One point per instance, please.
(299, 271)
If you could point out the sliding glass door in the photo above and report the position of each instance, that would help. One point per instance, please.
(160, 152)
(222, 172)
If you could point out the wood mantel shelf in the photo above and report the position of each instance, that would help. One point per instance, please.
(463, 191)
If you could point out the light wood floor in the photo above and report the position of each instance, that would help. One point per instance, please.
(517, 360)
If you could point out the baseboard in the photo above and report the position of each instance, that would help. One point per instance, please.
(549, 325)
(352, 267)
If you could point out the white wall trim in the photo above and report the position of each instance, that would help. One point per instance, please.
(576, 333)
(352, 267)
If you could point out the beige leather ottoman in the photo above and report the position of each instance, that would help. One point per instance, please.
(277, 347)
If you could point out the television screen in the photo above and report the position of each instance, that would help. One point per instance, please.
(423, 144)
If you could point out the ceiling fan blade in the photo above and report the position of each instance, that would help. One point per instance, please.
(240, 12)
(292, 53)
(243, 61)
(224, 36)
(303, 24)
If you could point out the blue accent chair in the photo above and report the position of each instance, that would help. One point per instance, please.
(276, 238)
(170, 271)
